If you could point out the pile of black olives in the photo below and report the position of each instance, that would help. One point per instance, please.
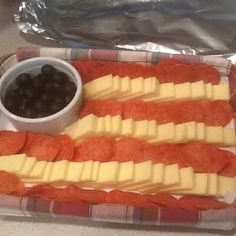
(42, 95)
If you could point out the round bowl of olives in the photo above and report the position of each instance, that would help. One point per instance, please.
(41, 94)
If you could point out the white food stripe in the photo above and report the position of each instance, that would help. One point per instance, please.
(143, 177)
(115, 127)
(150, 90)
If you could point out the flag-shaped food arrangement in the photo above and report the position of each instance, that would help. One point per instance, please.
(148, 136)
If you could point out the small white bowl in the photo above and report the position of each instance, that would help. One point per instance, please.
(51, 124)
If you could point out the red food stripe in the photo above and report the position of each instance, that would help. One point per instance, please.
(43, 147)
(210, 112)
(201, 157)
(67, 148)
(75, 194)
(11, 142)
(169, 70)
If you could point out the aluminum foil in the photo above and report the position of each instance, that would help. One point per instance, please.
(174, 26)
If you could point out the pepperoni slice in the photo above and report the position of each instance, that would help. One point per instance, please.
(230, 169)
(11, 142)
(44, 148)
(128, 199)
(163, 199)
(10, 183)
(217, 112)
(93, 196)
(107, 69)
(188, 111)
(86, 68)
(67, 148)
(186, 204)
(160, 74)
(130, 69)
(81, 68)
(30, 137)
(197, 156)
(220, 158)
(102, 108)
(205, 72)
(136, 70)
(43, 191)
(96, 149)
(179, 73)
(164, 153)
(204, 203)
(136, 109)
(128, 149)
(77, 157)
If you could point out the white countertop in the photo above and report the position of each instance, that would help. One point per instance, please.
(10, 39)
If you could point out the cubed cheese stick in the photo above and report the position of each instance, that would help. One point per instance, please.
(126, 173)
(186, 180)
(166, 93)
(142, 175)
(114, 91)
(107, 174)
(137, 88)
(85, 127)
(59, 171)
(27, 167)
(98, 87)
(200, 186)
(156, 181)
(170, 177)
(12, 163)
(221, 91)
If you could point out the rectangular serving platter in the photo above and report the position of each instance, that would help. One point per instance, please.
(17, 206)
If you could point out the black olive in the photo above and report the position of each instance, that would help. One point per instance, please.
(58, 99)
(48, 69)
(57, 87)
(70, 88)
(55, 107)
(23, 106)
(40, 106)
(46, 96)
(12, 93)
(48, 85)
(38, 82)
(23, 79)
(60, 77)
(30, 92)
(29, 113)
